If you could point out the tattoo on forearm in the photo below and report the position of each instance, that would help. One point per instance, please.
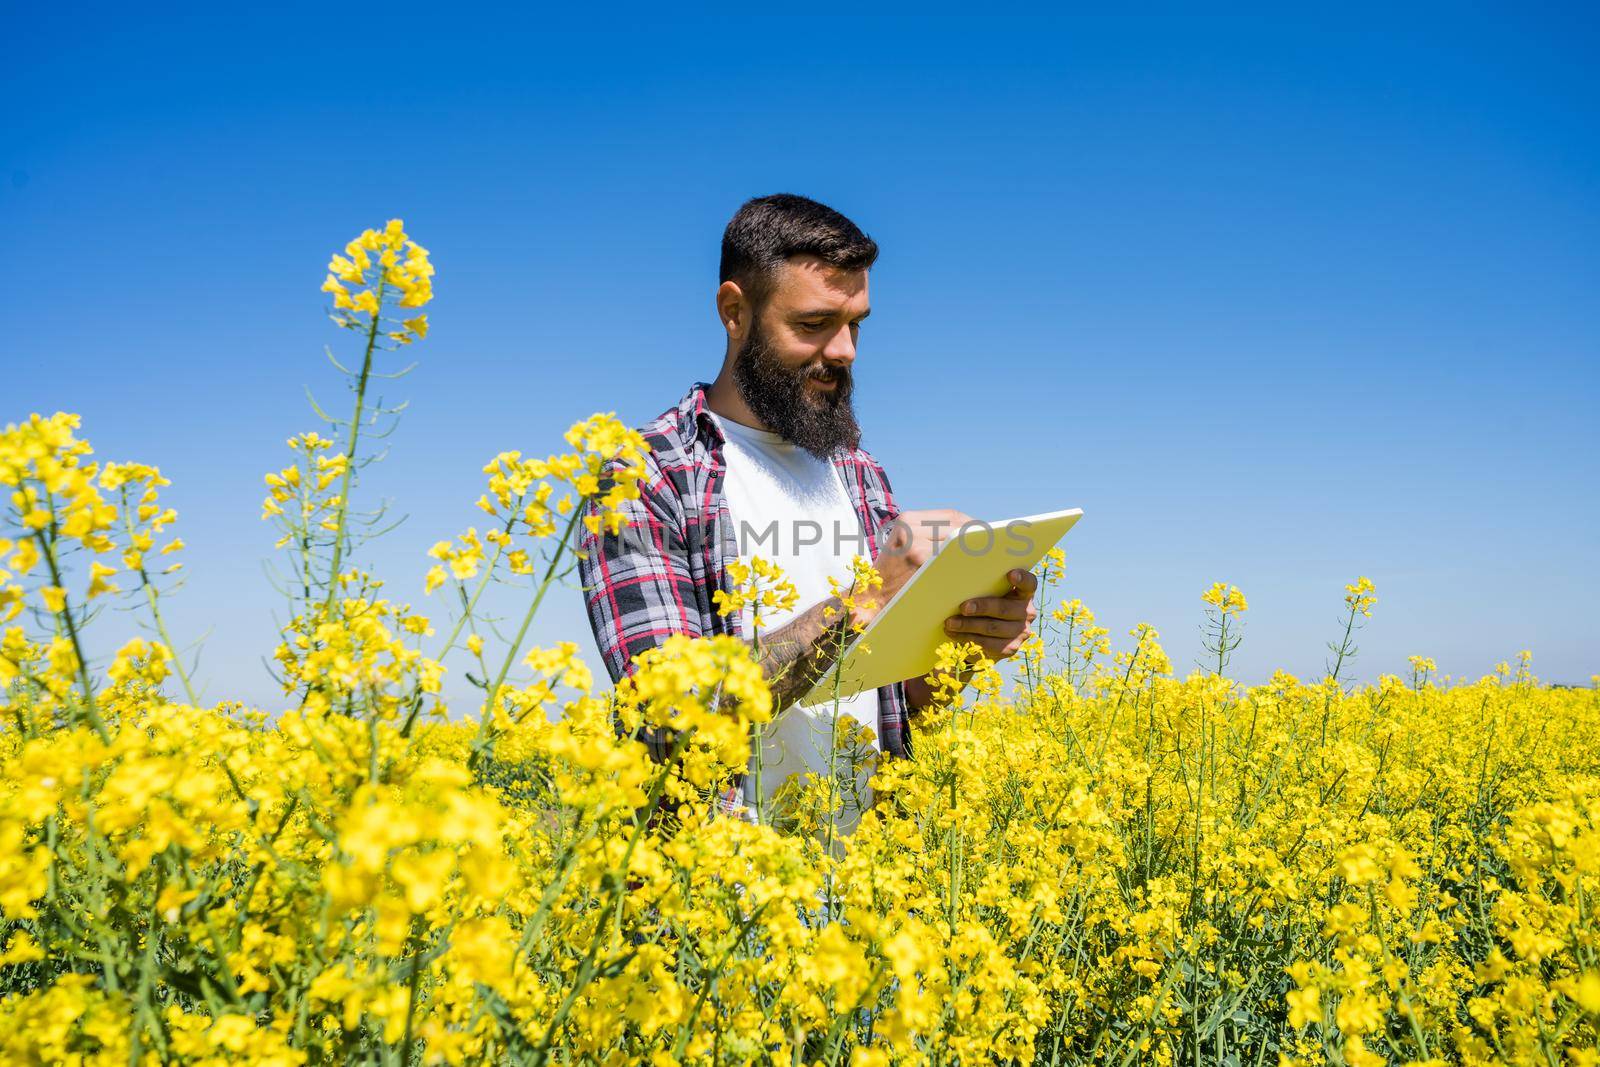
(800, 651)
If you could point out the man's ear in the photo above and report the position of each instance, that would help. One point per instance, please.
(733, 310)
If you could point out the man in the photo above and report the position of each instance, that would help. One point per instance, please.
(766, 461)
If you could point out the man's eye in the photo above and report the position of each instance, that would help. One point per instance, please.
(813, 325)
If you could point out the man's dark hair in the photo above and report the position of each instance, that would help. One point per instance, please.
(769, 229)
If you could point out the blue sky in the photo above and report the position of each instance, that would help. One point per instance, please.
(1276, 302)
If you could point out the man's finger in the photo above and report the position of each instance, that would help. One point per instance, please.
(1023, 583)
(996, 607)
(984, 626)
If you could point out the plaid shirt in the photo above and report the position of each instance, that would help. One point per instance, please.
(656, 578)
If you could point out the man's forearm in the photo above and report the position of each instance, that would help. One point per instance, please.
(802, 650)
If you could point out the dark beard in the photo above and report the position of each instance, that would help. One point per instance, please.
(822, 424)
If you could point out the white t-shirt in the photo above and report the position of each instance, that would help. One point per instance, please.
(790, 507)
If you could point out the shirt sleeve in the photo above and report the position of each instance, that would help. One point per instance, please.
(876, 492)
(637, 583)
(894, 711)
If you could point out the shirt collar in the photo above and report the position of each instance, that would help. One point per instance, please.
(694, 416)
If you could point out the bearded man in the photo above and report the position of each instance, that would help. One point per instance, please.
(767, 461)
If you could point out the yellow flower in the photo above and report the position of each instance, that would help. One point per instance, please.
(435, 578)
(1305, 1006)
(25, 556)
(1359, 596)
(98, 573)
(759, 585)
(1359, 864)
(859, 601)
(401, 273)
(1225, 598)
(1585, 991)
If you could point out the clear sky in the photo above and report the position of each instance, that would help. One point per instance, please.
(1275, 302)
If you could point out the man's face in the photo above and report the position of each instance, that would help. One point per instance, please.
(793, 367)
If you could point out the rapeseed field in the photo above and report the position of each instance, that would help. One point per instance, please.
(1094, 860)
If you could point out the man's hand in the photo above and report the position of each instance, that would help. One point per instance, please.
(998, 624)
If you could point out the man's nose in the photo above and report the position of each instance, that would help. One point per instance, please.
(841, 348)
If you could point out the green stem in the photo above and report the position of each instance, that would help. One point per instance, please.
(350, 453)
(487, 725)
(414, 986)
(155, 611)
(472, 601)
(49, 546)
(758, 730)
(466, 614)
(1344, 645)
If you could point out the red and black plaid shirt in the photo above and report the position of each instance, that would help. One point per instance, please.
(656, 577)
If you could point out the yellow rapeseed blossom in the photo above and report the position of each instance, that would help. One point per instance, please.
(760, 586)
(1359, 596)
(1225, 598)
(379, 266)
(860, 596)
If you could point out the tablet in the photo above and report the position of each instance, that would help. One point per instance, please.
(903, 639)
